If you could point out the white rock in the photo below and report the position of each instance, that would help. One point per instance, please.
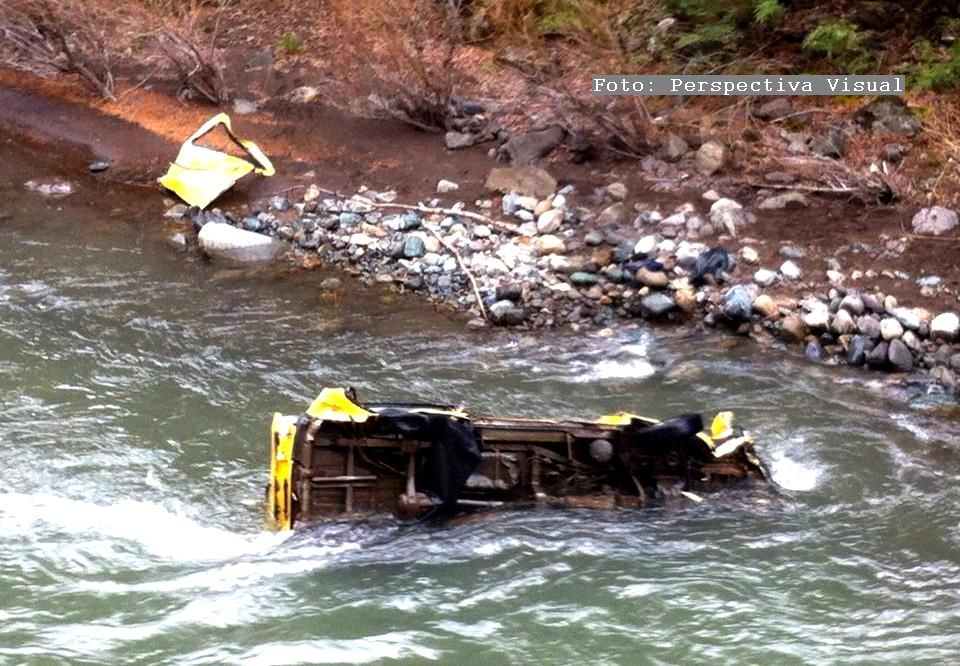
(790, 270)
(765, 277)
(223, 241)
(711, 195)
(527, 203)
(444, 186)
(481, 231)
(361, 239)
(645, 245)
(494, 266)
(559, 201)
(934, 221)
(666, 246)
(550, 244)
(835, 277)
(818, 318)
(727, 215)
(675, 220)
(843, 323)
(890, 328)
(908, 317)
(945, 325)
(550, 221)
(748, 255)
(558, 263)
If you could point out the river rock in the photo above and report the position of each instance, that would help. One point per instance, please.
(54, 189)
(446, 186)
(934, 221)
(857, 352)
(945, 326)
(792, 329)
(550, 221)
(891, 114)
(529, 147)
(852, 303)
(458, 140)
(869, 327)
(413, 247)
(909, 318)
(765, 305)
(223, 241)
(817, 319)
(790, 270)
(529, 181)
(899, 356)
(830, 143)
(748, 255)
(785, 200)
(657, 305)
(550, 244)
(727, 215)
(775, 108)
(877, 357)
(613, 215)
(649, 278)
(843, 323)
(738, 303)
(686, 299)
(584, 279)
(890, 329)
(711, 157)
(506, 313)
(593, 239)
(617, 191)
(765, 277)
(645, 246)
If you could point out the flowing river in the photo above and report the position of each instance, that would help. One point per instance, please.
(136, 388)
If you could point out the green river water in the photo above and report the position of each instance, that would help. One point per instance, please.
(136, 387)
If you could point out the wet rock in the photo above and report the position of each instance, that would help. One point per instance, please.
(934, 221)
(446, 186)
(224, 241)
(857, 353)
(765, 277)
(280, 203)
(872, 303)
(510, 291)
(738, 303)
(506, 313)
(711, 157)
(790, 270)
(413, 247)
(890, 329)
(945, 376)
(650, 278)
(792, 329)
(813, 351)
(877, 357)
(528, 181)
(674, 148)
(526, 149)
(98, 166)
(890, 114)
(785, 200)
(657, 305)
(686, 299)
(899, 356)
(550, 221)
(909, 318)
(945, 326)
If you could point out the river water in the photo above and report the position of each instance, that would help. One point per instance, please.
(136, 387)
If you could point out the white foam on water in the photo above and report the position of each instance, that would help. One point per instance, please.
(393, 645)
(153, 528)
(793, 475)
(629, 362)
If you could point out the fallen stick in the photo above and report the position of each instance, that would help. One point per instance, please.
(803, 188)
(463, 267)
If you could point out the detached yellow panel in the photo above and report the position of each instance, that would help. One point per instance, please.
(333, 405)
(280, 492)
(200, 175)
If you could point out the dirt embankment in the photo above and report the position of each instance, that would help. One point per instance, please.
(867, 249)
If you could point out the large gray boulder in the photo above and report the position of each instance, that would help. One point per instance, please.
(934, 221)
(223, 241)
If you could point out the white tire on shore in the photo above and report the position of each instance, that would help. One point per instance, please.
(222, 241)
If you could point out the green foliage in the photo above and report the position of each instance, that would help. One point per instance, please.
(767, 11)
(559, 17)
(841, 42)
(936, 71)
(290, 44)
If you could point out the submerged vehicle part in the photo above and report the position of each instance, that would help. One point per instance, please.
(345, 460)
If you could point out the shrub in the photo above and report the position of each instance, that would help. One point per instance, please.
(841, 43)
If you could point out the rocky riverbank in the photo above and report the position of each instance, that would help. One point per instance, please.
(537, 254)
